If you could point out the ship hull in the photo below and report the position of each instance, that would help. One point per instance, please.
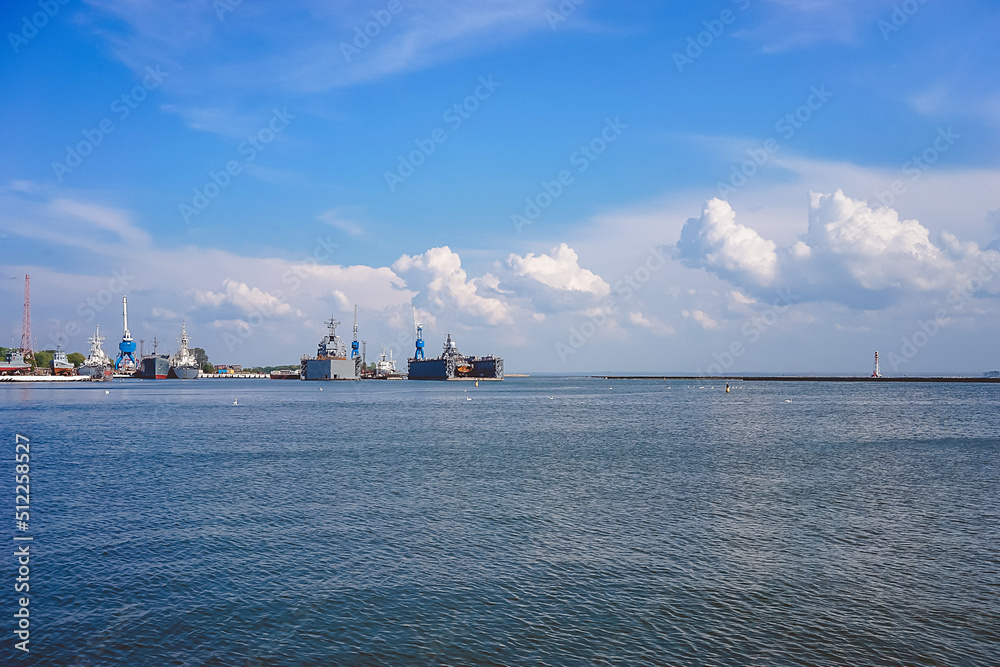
(154, 368)
(184, 372)
(474, 368)
(330, 369)
(95, 372)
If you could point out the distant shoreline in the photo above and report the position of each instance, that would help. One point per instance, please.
(800, 378)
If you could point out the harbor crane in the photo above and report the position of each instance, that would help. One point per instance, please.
(355, 353)
(126, 348)
(418, 353)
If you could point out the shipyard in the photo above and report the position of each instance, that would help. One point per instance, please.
(334, 360)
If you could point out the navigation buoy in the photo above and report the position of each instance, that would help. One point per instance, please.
(727, 387)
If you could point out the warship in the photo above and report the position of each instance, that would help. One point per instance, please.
(184, 365)
(97, 365)
(331, 361)
(154, 366)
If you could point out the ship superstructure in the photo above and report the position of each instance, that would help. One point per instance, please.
(385, 367)
(154, 366)
(331, 361)
(14, 364)
(60, 364)
(183, 364)
(98, 364)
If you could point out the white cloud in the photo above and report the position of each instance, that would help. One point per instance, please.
(249, 299)
(717, 242)
(334, 217)
(560, 270)
(212, 74)
(851, 253)
(450, 285)
(651, 323)
(701, 317)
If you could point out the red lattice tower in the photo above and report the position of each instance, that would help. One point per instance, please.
(26, 325)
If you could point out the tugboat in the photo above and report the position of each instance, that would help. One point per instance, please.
(60, 364)
(98, 365)
(184, 365)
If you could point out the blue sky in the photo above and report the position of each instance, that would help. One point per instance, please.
(759, 185)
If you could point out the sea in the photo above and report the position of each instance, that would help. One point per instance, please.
(534, 521)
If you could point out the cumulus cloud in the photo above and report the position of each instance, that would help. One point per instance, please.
(851, 253)
(701, 317)
(249, 299)
(450, 285)
(651, 323)
(559, 270)
(717, 242)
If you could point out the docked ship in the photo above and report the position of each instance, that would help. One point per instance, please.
(97, 365)
(60, 364)
(331, 361)
(154, 366)
(184, 365)
(385, 368)
(14, 364)
(453, 365)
